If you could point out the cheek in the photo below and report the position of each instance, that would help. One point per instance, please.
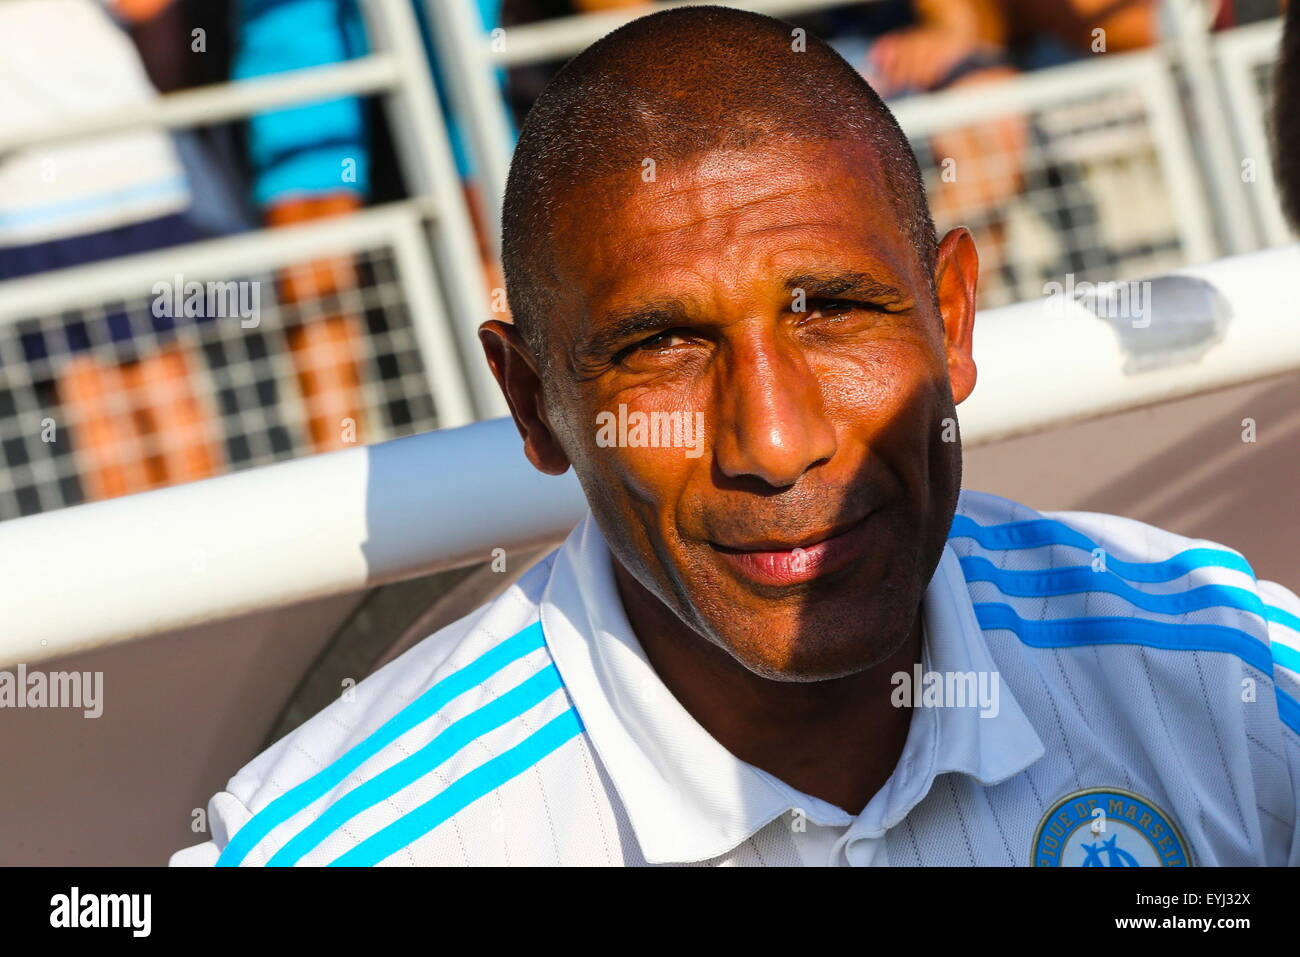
(886, 387)
(655, 478)
(640, 491)
(646, 448)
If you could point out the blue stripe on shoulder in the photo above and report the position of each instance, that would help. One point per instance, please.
(1286, 657)
(1076, 632)
(1077, 579)
(1282, 617)
(453, 738)
(1036, 533)
(1071, 632)
(418, 711)
(483, 780)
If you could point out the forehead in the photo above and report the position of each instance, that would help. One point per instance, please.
(729, 220)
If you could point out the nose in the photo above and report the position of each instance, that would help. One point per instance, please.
(773, 425)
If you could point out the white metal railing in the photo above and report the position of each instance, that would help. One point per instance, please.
(1189, 48)
(1244, 57)
(396, 227)
(111, 571)
(398, 71)
(223, 102)
(424, 146)
(1143, 73)
(1041, 365)
(462, 44)
(324, 524)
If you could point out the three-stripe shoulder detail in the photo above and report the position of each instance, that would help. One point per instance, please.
(494, 713)
(1122, 578)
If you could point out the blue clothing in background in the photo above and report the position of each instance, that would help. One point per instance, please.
(304, 149)
(322, 147)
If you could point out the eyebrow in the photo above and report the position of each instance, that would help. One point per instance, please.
(833, 285)
(620, 327)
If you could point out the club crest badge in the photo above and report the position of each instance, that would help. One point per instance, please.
(1108, 827)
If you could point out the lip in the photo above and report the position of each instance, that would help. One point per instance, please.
(793, 565)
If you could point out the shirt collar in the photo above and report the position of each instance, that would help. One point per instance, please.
(688, 798)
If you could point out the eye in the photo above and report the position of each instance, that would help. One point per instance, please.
(831, 308)
(656, 343)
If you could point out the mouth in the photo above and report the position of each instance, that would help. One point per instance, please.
(772, 562)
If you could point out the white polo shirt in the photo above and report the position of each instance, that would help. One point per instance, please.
(1144, 714)
(689, 799)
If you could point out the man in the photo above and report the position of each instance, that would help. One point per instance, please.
(785, 637)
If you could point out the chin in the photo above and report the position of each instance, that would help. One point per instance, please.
(834, 629)
(823, 647)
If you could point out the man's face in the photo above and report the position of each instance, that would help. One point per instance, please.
(772, 296)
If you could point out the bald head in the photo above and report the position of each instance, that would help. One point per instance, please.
(674, 85)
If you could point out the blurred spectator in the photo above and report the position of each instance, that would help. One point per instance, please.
(910, 47)
(74, 202)
(137, 424)
(525, 82)
(315, 161)
(1042, 33)
(903, 48)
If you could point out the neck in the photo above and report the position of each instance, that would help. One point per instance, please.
(838, 740)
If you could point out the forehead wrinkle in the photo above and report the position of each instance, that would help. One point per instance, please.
(736, 268)
(617, 192)
(705, 213)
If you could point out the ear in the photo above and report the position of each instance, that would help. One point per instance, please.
(956, 272)
(516, 371)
